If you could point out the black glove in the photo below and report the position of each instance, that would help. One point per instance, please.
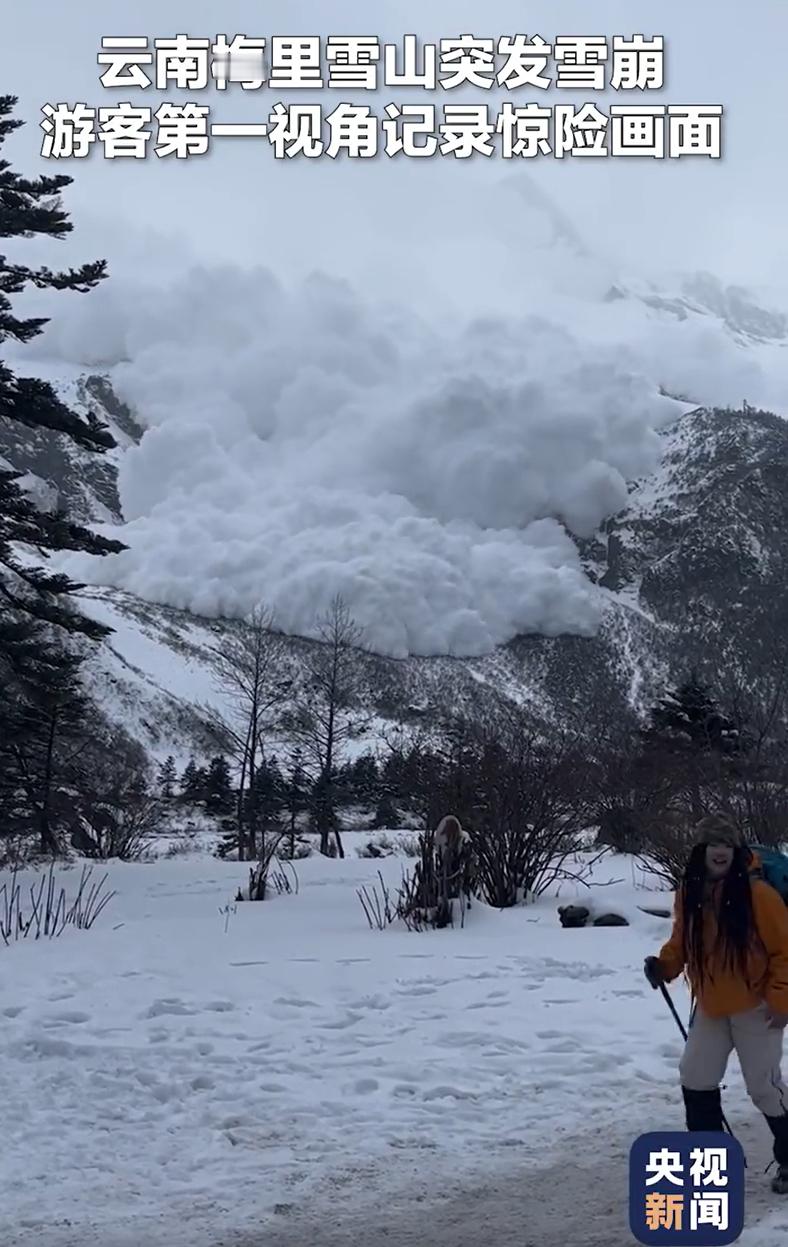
(652, 968)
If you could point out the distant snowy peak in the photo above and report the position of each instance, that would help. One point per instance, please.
(702, 294)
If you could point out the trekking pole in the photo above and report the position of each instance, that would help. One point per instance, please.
(681, 1027)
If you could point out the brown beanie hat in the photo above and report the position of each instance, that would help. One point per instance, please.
(718, 829)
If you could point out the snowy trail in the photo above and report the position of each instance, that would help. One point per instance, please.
(168, 1081)
(580, 1200)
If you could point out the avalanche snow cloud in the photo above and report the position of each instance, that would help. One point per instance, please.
(305, 441)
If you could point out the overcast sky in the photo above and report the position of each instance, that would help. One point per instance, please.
(238, 203)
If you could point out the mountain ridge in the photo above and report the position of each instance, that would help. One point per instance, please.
(695, 560)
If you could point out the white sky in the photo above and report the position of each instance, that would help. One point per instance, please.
(239, 204)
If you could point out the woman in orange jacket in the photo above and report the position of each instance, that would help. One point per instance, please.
(730, 938)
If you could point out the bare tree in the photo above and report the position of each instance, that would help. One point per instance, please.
(250, 670)
(532, 808)
(328, 715)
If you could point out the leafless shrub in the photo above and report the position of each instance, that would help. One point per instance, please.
(377, 905)
(283, 879)
(113, 812)
(259, 874)
(49, 911)
(123, 831)
(533, 807)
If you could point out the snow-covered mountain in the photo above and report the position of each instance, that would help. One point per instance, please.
(561, 498)
(693, 566)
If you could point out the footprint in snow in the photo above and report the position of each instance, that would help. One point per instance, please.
(349, 1019)
(13, 1011)
(163, 1008)
(365, 1086)
(449, 1093)
(295, 1002)
(71, 1018)
(565, 1045)
(371, 1002)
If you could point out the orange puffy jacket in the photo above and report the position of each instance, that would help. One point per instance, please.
(724, 990)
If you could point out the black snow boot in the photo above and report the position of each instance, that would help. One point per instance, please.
(779, 1128)
(703, 1110)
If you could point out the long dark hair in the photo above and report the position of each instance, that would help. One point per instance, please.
(736, 929)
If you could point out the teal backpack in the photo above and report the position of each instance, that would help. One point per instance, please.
(774, 869)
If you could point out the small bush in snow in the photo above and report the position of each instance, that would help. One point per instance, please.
(270, 874)
(386, 846)
(181, 848)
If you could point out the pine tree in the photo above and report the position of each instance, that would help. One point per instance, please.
(364, 780)
(386, 813)
(166, 778)
(30, 208)
(323, 815)
(192, 782)
(53, 713)
(269, 796)
(688, 718)
(218, 787)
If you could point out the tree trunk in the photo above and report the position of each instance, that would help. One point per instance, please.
(48, 841)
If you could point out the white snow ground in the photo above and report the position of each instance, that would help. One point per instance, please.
(298, 1078)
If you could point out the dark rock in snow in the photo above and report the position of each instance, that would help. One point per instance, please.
(573, 915)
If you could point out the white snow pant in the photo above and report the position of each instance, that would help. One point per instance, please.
(759, 1049)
